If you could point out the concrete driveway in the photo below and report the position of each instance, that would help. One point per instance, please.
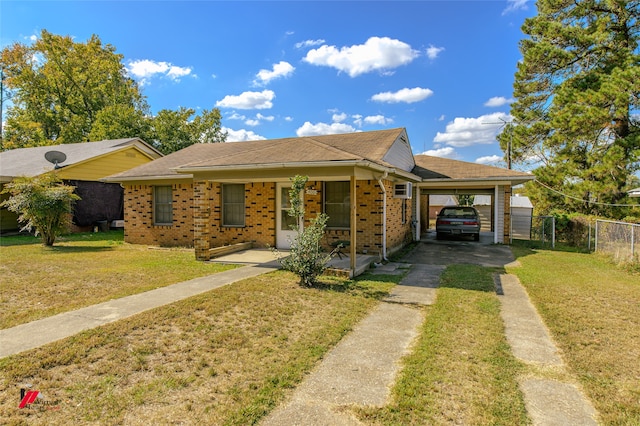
(460, 250)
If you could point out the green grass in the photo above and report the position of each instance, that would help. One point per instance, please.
(592, 309)
(84, 269)
(461, 370)
(228, 356)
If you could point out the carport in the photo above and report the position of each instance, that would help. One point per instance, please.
(453, 177)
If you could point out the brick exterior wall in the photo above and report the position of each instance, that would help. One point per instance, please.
(139, 227)
(197, 217)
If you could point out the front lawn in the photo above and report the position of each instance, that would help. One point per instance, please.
(227, 356)
(592, 308)
(82, 270)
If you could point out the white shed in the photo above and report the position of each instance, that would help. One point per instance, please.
(521, 217)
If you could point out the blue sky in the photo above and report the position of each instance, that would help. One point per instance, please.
(441, 69)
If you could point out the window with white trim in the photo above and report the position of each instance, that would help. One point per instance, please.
(163, 205)
(337, 204)
(233, 204)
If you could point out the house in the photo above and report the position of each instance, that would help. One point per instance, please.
(82, 165)
(634, 192)
(369, 183)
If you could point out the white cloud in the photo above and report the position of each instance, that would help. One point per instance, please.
(378, 119)
(409, 96)
(248, 100)
(145, 69)
(265, 117)
(236, 116)
(446, 152)
(252, 122)
(309, 43)
(514, 5)
(241, 135)
(376, 54)
(287, 118)
(462, 132)
(498, 101)
(433, 51)
(337, 118)
(441, 118)
(490, 159)
(309, 129)
(281, 69)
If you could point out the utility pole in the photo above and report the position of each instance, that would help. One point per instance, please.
(509, 126)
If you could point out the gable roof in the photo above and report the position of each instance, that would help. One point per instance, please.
(361, 147)
(31, 161)
(436, 168)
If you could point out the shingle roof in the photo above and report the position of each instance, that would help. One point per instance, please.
(31, 161)
(428, 167)
(371, 146)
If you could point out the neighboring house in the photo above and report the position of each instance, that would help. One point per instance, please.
(84, 165)
(369, 183)
(634, 192)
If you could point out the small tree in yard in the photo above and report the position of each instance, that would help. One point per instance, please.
(307, 258)
(42, 203)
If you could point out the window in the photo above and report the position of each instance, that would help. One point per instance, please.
(233, 204)
(337, 204)
(404, 211)
(162, 205)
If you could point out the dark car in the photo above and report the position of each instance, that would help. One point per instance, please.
(458, 220)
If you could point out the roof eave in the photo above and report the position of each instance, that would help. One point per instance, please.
(116, 179)
(497, 180)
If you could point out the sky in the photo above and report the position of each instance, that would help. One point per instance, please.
(444, 70)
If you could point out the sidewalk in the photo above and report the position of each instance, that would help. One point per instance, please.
(362, 368)
(37, 333)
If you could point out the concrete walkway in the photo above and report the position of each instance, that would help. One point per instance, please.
(37, 333)
(362, 368)
(549, 401)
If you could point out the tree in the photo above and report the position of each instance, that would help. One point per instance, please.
(174, 130)
(307, 259)
(576, 109)
(42, 203)
(59, 89)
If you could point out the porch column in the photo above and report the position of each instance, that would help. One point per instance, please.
(495, 214)
(417, 221)
(201, 216)
(353, 229)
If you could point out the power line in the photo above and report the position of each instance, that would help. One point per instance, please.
(580, 199)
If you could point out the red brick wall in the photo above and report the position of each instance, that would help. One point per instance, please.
(138, 217)
(260, 210)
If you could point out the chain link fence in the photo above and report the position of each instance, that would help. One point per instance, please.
(534, 228)
(620, 240)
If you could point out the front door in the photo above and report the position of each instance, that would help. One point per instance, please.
(284, 233)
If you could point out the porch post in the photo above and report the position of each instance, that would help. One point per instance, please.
(417, 221)
(354, 218)
(495, 214)
(201, 215)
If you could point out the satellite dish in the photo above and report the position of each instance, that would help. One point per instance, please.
(55, 157)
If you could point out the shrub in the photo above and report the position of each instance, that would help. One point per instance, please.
(42, 203)
(307, 258)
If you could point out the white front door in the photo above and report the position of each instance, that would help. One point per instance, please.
(284, 233)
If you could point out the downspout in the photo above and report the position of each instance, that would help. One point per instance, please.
(384, 215)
